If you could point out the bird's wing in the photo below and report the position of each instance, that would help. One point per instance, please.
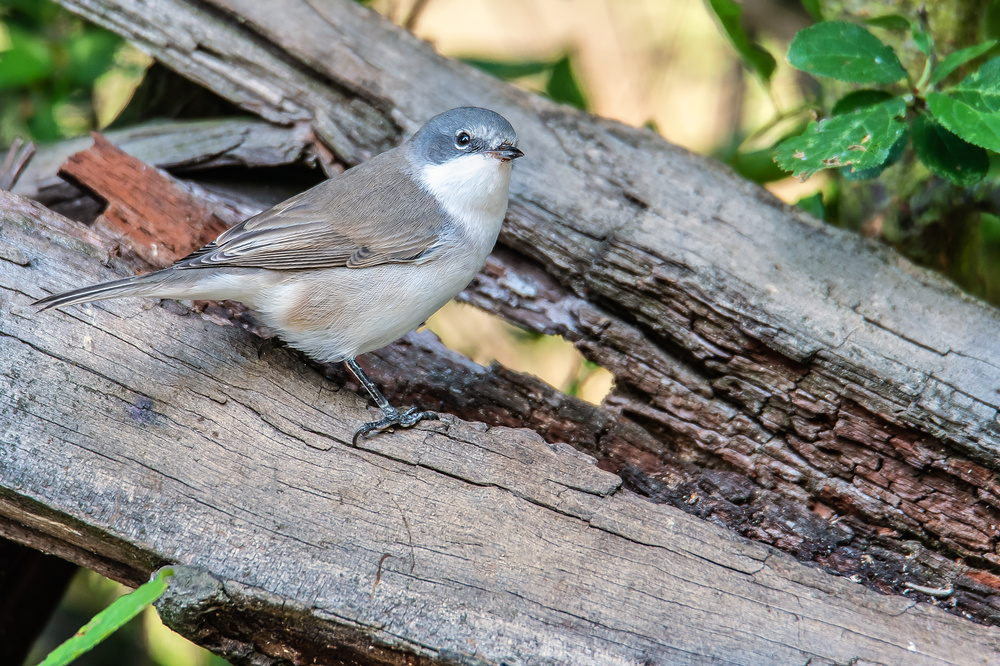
(363, 217)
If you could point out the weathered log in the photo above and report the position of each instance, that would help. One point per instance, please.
(179, 145)
(855, 392)
(137, 436)
(829, 401)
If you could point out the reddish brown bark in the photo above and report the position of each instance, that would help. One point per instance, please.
(164, 221)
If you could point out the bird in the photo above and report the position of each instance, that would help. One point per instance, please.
(361, 259)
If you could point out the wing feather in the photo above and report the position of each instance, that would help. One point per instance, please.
(369, 215)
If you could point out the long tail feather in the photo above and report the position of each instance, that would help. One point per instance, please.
(140, 285)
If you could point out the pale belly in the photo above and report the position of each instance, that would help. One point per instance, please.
(340, 313)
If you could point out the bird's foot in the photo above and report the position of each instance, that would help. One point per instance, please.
(393, 418)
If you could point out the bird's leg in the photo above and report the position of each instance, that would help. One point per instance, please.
(393, 417)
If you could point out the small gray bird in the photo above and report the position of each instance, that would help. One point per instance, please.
(363, 258)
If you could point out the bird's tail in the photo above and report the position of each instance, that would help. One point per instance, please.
(152, 284)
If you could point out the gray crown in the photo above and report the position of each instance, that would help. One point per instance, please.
(440, 139)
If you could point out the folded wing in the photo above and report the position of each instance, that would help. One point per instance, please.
(364, 217)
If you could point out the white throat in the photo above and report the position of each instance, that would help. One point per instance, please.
(473, 190)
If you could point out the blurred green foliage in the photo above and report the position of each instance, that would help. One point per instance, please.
(109, 620)
(50, 61)
(558, 78)
(729, 15)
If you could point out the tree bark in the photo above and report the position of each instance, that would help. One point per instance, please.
(139, 436)
(774, 376)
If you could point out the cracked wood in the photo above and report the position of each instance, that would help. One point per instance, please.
(137, 436)
(753, 343)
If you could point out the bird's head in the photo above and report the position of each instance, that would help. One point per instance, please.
(463, 158)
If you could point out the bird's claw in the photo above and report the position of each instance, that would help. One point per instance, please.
(406, 419)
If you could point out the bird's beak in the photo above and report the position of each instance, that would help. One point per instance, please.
(505, 154)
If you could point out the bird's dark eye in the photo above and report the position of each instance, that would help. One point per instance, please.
(462, 139)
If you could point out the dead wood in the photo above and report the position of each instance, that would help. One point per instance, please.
(167, 230)
(16, 161)
(855, 392)
(137, 436)
(791, 382)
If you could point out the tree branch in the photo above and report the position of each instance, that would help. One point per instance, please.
(851, 388)
(499, 545)
(774, 375)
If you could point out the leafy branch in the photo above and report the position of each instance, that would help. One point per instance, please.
(951, 129)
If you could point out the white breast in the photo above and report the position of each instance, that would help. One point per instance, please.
(354, 311)
(473, 190)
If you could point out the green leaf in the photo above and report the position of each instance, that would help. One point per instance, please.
(813, 205)
(923, 40)
(889, 22)
(729, 13)
(812, 8)
(846, 52)
(506, 70)
(947, 155)
(859, 99)
(563, 86)
(959, 58)
(970, 109)
(757, 165)
(861, 139)
(895, 152)
(27, 61)
(109, 620)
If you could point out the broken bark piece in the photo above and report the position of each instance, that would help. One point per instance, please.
(237, 468)
(163, 221)
(18, 156)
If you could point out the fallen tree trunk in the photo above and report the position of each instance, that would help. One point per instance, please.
(137, 436)
(775, 376)
(855, 392)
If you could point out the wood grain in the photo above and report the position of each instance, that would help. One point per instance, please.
(854, 393)
(775, 376)
(138, 436)
(177, 145)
